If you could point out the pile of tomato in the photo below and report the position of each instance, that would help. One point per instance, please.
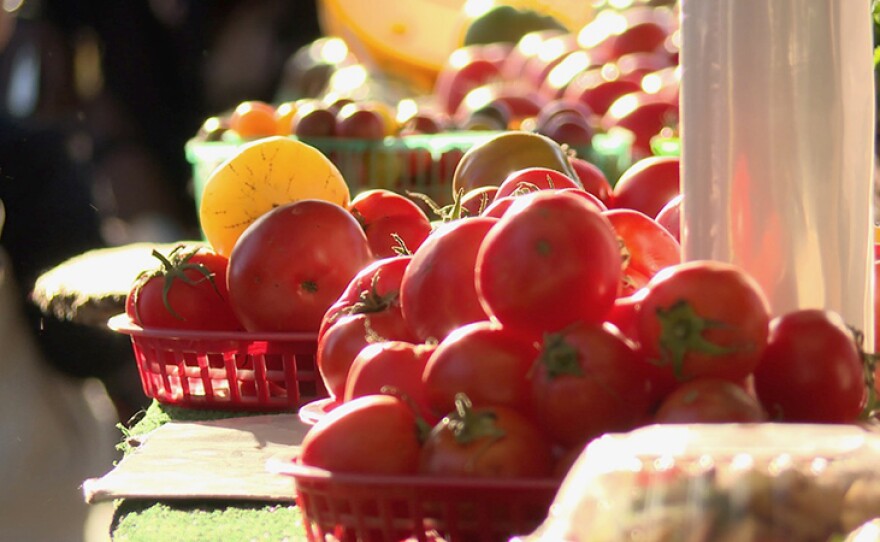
(500, 336)
(505, 343)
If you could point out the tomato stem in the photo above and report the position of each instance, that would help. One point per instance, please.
(174, 267)
(468, 425)
(560, 357)
(681, 332)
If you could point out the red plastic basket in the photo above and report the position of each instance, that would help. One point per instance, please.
(225, 370)
(349, 507)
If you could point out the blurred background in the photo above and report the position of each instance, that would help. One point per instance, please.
(97, 99)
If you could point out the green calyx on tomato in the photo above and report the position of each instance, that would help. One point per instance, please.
(174, 267)
(559, 357)
(371, 300)
(446, 213)
(468, 425)
(681, 332)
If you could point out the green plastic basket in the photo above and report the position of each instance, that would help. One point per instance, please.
(417, 163)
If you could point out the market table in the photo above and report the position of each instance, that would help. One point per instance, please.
(242, 514)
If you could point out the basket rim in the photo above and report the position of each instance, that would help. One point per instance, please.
(122, 323)
(289, 465)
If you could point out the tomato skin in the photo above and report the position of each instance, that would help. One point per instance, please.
(709, 400)
(374, 434)
(722, 307)
(550, 261)
(478, 199)
(589, 380)
(257, 179)
(396, 364)
(595, 201)
(645, 116)
(625, 317)
(670, 217)
(811, 370)
(497, 208)
(648, 185)
(534, 178)
(487, 362)
(522, 451)
(648, 247)
(376, 203)
(438, 292)
(593, 180)
(374, 289)
(624, 314)
(253, 118)
(383, 212)
(292, 263)
(382, 235)
(345, 339)
(202, 304)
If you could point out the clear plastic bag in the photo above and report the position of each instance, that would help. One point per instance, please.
(719, 483)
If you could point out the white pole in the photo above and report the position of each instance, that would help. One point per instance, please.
(778, 148)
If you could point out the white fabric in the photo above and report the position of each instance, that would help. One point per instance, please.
(52, 436)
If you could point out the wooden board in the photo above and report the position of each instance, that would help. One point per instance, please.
(216, 459)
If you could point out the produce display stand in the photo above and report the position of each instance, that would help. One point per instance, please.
(742, 216)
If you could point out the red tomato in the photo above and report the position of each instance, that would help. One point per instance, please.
(487, 362)
(395, 235)
(709, 400)
(488, 442)
(374, 434)
(292, 263)
(383, 214)
(395, 364)
(497, 208)
(624, 314)
(704, 318)
(812, 370)
(377, 203)
(438, 292)
(532, 179)
(343, 341)
(670, 217)
(580, 192)
(625, 317)
(375, 290)
(476, 200)
(643, 114)
(187, 291)
(589, 380)
(593, 180)
(647, 247)
(648, 185)
(551, 261)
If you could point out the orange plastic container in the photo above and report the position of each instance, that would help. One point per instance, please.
(225, 370)
(415, 508)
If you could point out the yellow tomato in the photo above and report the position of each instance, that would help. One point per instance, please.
(262, 175)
